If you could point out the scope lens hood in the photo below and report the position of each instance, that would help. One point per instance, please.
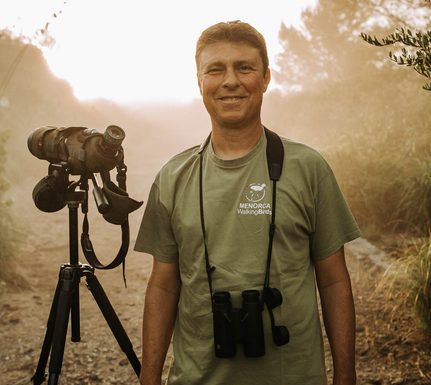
(46, 196)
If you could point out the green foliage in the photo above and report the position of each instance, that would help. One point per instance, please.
(327, 47)
(370, 121)
(407, 282)
(323, 49)
(419, 57)
(385, 173)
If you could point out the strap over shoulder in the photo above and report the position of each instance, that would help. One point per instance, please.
(274, 154)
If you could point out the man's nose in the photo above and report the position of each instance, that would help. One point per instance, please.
(231, 79)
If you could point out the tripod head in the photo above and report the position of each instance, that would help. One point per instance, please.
(56, 190)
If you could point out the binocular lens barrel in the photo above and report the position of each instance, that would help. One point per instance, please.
(224, 329)
(252, 325)
(232, 325)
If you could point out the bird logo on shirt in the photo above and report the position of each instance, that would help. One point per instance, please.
(256, 192)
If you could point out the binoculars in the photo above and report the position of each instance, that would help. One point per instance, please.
(244, 325)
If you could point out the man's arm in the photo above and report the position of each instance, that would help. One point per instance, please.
(333, 282)
(160, 309)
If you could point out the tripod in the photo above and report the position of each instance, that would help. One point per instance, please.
(66, 301)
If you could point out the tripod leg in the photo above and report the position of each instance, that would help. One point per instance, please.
(69, 281)
(39, 375)
(73, 250)
(112, 320)
(75, 316)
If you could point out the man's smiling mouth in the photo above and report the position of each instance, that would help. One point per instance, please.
(231, 98)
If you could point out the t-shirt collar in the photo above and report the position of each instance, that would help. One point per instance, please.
(232, 163)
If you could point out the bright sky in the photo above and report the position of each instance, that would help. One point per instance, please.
(137, 50)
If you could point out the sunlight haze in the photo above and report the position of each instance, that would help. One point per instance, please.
(135, 51)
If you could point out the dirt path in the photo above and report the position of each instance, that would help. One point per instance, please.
(389, 350)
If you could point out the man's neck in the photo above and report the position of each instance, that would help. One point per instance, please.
(232, 143)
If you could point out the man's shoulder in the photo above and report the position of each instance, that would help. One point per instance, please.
(183, 157)
(300, 151)
(180, 162)
(302, 162)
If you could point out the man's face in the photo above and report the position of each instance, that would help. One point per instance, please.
(232, 83)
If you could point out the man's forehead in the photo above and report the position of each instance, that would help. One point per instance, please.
(229, 51)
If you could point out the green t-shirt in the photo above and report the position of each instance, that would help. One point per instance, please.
(313, 221)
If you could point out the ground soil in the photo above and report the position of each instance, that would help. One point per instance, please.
(390, 348)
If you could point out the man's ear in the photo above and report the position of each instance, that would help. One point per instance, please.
(199, 82)
(266, 79)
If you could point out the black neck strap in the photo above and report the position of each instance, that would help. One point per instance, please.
(275, 157)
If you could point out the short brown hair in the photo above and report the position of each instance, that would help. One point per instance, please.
(233, 31)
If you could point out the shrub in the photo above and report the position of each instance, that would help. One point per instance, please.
(9, 231)
(408, 281)
(386, 178)
(5, 244)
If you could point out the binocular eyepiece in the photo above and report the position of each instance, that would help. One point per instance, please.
(244, 325)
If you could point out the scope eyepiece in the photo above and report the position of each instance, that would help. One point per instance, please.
(114, 135)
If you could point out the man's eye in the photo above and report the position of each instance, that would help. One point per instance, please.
(245, 68)
(214, 70)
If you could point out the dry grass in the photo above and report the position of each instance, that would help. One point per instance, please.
(386, 177)
(407, 282)
(11, 234)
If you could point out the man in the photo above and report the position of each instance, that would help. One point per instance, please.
(206, 224)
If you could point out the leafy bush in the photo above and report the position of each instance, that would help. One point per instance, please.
(408, 280)
(385, 174)
(418, 56)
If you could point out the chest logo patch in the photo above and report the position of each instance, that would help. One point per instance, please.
(256, 192)
(253, 201)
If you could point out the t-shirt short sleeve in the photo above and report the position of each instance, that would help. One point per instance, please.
(155, 235)
(334, 222)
